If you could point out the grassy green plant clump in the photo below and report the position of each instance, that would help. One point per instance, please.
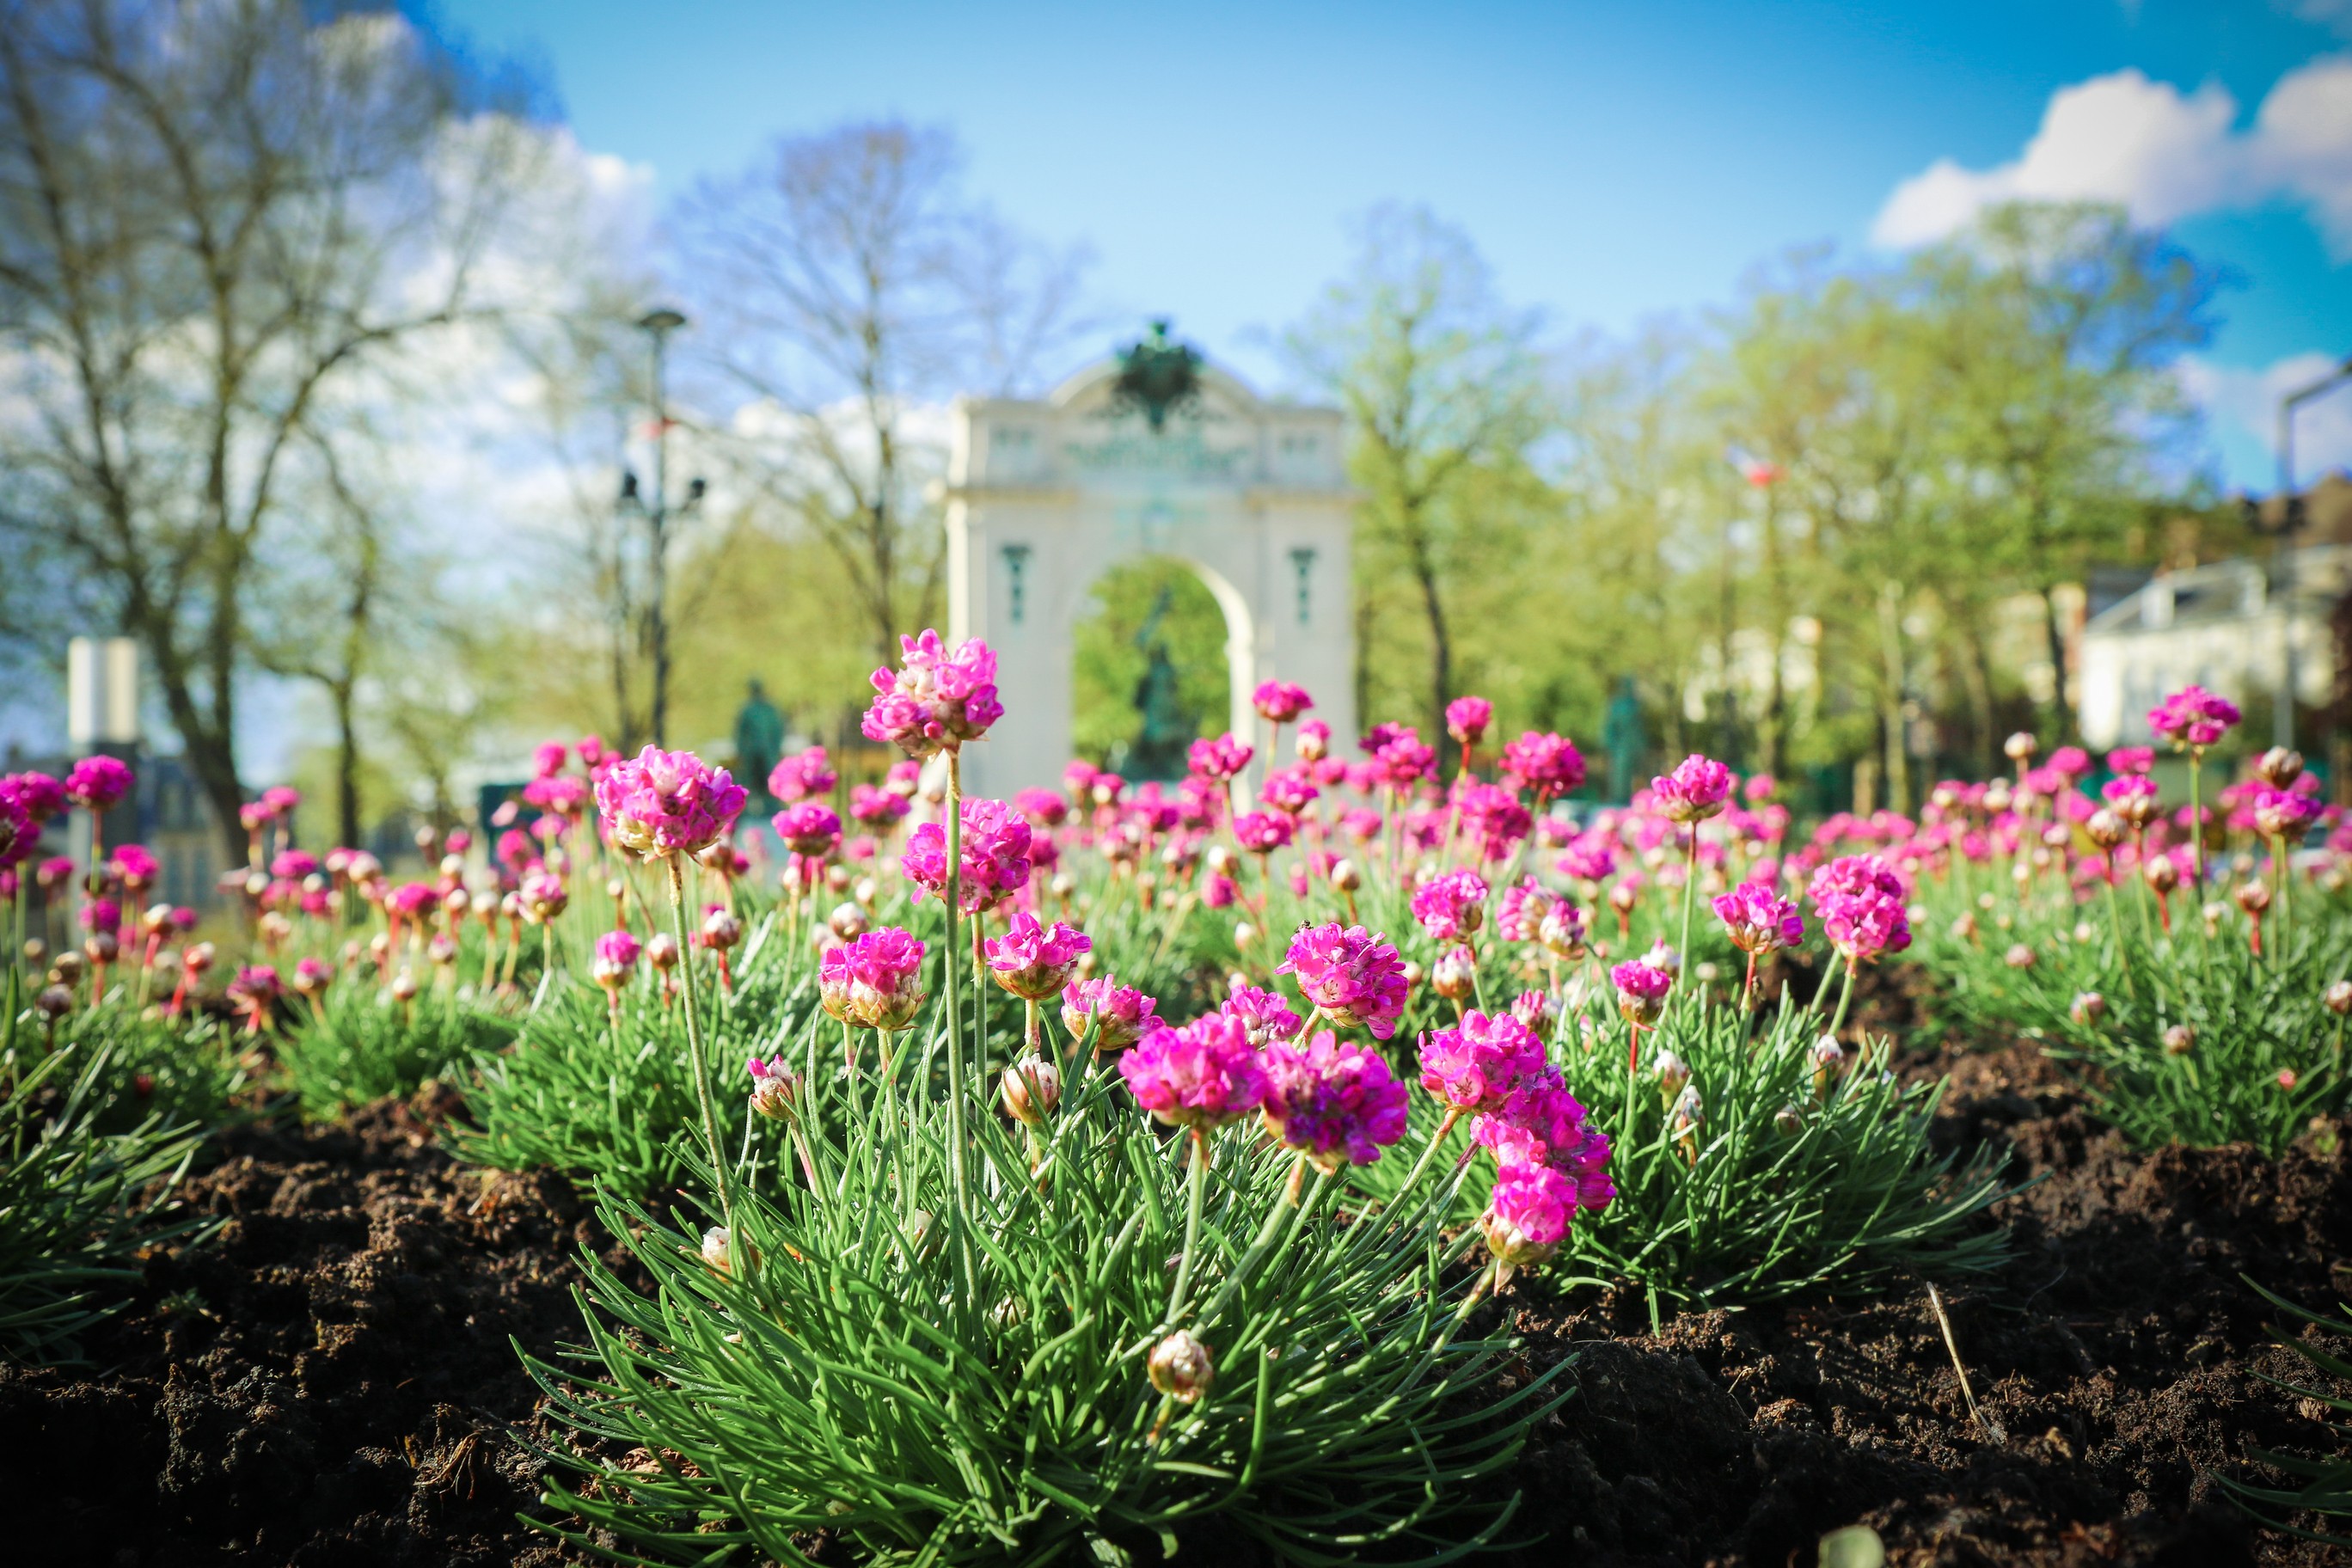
(362, 1043)
(76, 1203)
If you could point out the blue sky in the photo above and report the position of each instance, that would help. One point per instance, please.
(1613, 162)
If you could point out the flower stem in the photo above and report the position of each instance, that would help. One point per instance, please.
(1846, 999)
(957, 1180)
(698, 1062)
(1196, 1195)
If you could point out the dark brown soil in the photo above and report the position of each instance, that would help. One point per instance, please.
(332, 1381)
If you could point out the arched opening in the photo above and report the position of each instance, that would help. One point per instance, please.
(1151, 665)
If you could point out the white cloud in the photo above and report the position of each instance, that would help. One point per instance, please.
(2162, 153)
(2248, 397)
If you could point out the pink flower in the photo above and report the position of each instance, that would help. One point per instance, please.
(1547, 764)
(936, 700)
(1361, 824)
(616, 955)
(1541, 1124)
(2070, 763)
(1266, 1017)
(98, 784)
(2131, 760)
(1355, 977)
(1527, 1216)
(550, 759)
(41, 797)
(811, 828)
(1336, 1102)
(1519, 912)
(1121, 1014)
(2284, 812)
(1288, 790)
(1314, 741)
(1279, 702)
(1856, 874)
(543, 896)
(2193, 718)
(1220, 759)
(1641, 991)
(1043, 807)
(1262, 832)
(279, 800)
(1034, 961)
(17, 834)
(138, 868)
(1219, 891)
(874, 981)
(1200, 1075)
(254, 988)
(1591, 858)
(876, 808)
(1467, 718)
(311, 976)
(995, 856)
(1493, 817)
(1863, 925)
(565, 795)
(803, 776)
(2132, 796)
(1695, 791)
(660, 804)
(289, 866)
(102, 915)
(411, 899)
(1452, 906)
(1402, 758)
(1758, 920)
(1475, 1067)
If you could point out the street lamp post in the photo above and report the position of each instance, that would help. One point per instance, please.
(658, 324)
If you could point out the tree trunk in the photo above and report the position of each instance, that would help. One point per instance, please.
(1441, 657)
(2057, 635)
(1890, 700)
(347, 765)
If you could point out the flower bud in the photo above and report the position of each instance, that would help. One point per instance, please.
(37, 952)
(1412, 975)
(775, 1088)
(2105, 829)
(715, 1251)
(720, 930)
(2338, 997)
(404, 986)
(70, 968)
(2019, 956)
(2279, 767)
(1672, 1070)
(1688, 1112)
(2088, 1008)
(661, 951)
(865, 891)
(848, 921)
(838, 878)
(103, 946)
(1346, 877)
(1534, 1009)
(2254, 898)
(1964, 926)
(1244, 933)
(197, 959)
(442, 949)
(2021, 746)
(1787, 1122)
(1180, 1366)
(2179, 1040)
(2287, 1077)
(1454, 976)
(1033, 1089)
(54, 1003)
(2160, 874)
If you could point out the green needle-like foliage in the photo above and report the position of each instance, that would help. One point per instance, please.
(360, 1044)
(1793, 1176)
(936, 1386)
(2327, 1483)
(76, 1203)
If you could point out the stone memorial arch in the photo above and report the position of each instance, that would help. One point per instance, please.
(1148, 453)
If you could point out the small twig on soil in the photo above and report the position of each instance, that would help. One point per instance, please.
(1986, 1424)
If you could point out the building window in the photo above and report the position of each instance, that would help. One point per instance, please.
(1302, 567)
(1016, 572)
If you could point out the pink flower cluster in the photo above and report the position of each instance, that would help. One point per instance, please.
(1548, 765)
(1031, 960)
(1467, 718)
(995, 857)
(661, 803)
(1695, 791)
(1221, 759)
(1121, 1014)
(1451, 906)
(1357, 979)
(1336, 1102)
(1476, 1066)
(874, 981)
(1758, 920)
(1201, 1076)
(801, 777)
(1279, 702)
(98, 784)
(1266, 1017)
(2193, 718)
(936, 700)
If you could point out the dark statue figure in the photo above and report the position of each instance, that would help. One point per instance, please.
(759, 743)
(1156, 376)
(1623, 736)
(1163, 738)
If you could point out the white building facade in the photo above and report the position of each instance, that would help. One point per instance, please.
(1044, 496)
